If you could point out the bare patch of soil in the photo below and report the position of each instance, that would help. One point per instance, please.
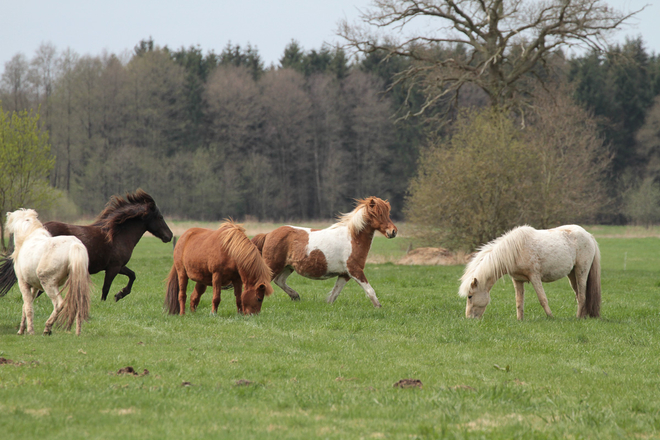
(408, 383)
(430, 256)
(131, 371)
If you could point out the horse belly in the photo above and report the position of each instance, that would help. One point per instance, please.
(557, 267)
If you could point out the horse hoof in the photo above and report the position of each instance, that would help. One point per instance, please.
(295, 298)
(118, 297)
(47, 332)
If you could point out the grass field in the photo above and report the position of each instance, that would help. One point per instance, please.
(309, 369)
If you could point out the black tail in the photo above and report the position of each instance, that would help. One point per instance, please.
(7, 275)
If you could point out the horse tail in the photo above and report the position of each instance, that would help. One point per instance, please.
(592, 296)
(75, 307)
(259, 241)
(172, 295)
(7, 274)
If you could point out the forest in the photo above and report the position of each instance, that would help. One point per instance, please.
(213, 135)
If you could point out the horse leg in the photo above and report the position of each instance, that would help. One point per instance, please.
(238, 292)
(573, 281)
(538, 286)
(196, 296)
(126, 290)
(27, 311)
(520, 298)
(217, 290)
(368, 290)
(339, 284)
(580, 290)
(183, 285)
(53, 293)
(110, 274)
(280, 280)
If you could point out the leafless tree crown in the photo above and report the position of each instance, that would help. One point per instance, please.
(493, 44)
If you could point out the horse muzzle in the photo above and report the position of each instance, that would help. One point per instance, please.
(391, 233)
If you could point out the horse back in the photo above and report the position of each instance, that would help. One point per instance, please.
(99, 249)
(199, 253)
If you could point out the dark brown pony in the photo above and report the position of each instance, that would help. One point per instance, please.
(338, 251)
(110, 240)
(217, 258)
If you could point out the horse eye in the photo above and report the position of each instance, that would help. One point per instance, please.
(260, 299)
(470, 297)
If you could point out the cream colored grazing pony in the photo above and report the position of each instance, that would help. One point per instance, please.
(43, 262)
(338, 251)
(535, 256)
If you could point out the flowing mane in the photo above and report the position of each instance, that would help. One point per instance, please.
(356, 220)
(246, 254)
(118, 210)
(495, 258)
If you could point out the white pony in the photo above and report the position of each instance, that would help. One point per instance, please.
(43, 262)
(535, 256)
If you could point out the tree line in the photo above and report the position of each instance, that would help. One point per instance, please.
(215, 135)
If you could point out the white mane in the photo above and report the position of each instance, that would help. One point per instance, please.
(495, 258)
(355, 220)
(22, 223)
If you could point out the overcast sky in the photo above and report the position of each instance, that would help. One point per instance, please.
(90, 26)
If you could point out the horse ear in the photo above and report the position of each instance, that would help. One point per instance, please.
(474, 283)
(372, 202)
(265, 289)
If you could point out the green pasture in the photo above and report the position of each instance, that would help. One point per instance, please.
(310, 369)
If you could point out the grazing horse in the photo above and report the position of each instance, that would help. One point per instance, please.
(535, 256)
(217, 258)
(43, 262)
(338, 251)
(110, 240)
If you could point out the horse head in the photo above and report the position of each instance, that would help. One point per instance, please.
(152, 218)
(378, 216)
(156, 225)
(22, 222)
(478, 297)
(253, 297)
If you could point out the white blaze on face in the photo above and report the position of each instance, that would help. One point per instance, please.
(335, 243)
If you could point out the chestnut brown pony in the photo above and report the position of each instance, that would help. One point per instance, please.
(338, 251)
(110, 240)
(217, 258)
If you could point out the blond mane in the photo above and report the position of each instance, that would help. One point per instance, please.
(247, 256)
(495, 258)
(357, 220)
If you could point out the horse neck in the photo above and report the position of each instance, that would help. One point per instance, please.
(131, 231)
(20, 240)
(362, 244)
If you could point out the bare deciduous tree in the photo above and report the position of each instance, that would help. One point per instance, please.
(503, 41)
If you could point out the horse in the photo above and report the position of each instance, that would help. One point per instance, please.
(338, 251)
(535, 256)
(217, 258)
(110, 240)
(43, 262)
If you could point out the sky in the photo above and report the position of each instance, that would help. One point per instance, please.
(89, 27)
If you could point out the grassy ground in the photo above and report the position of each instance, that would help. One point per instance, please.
(327, 371)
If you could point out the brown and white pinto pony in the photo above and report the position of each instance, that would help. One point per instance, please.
(338, 251)
(217, 258)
